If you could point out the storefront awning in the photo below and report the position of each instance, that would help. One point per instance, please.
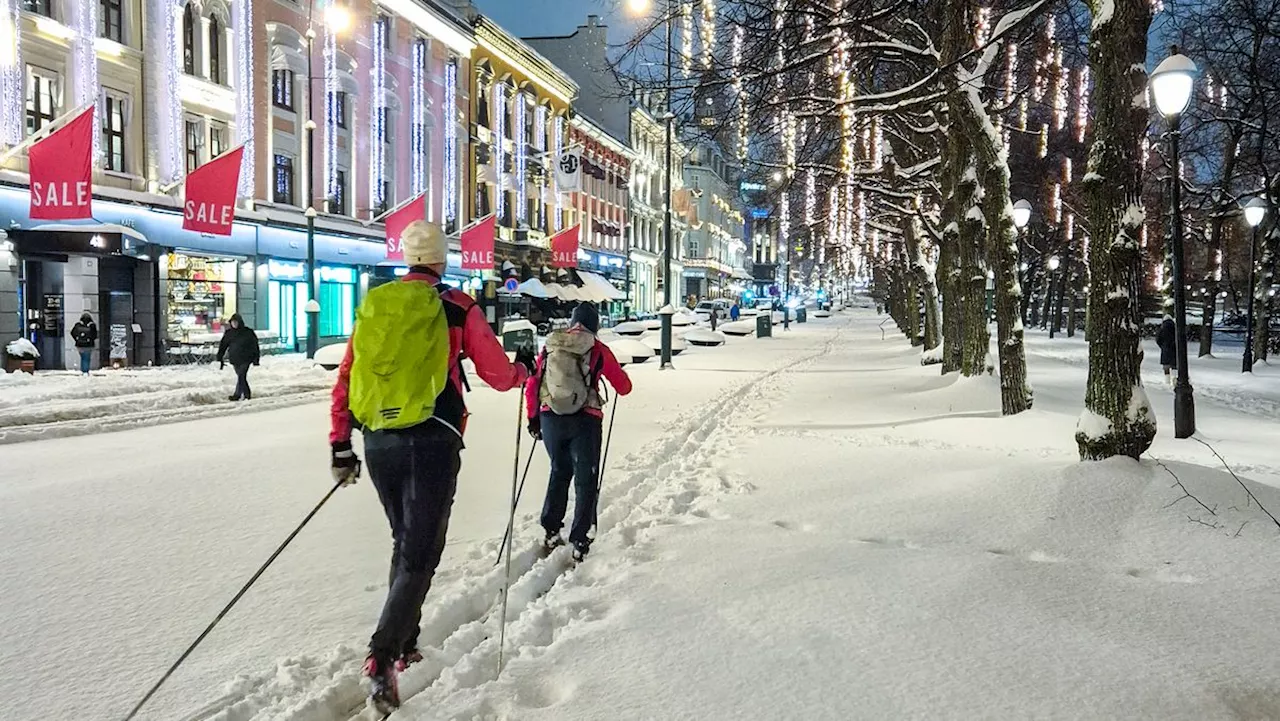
(95, 228)
(600, 286)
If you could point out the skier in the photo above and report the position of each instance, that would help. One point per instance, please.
(565, 411)
(401, 382)
(239, 346)
(85, 335)
(1167, 340)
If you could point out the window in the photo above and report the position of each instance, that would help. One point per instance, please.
(188, 41)
(110, 14)
(42, 91)
(282, 89)
(283, 192)
(388, 202)
(385, 22)
(113, 133)
(215, 50)
(340, 108)
(39, 7)
(339, 206)
(482, 101)
(193, 145)
(217, 139)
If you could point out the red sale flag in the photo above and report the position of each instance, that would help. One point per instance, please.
(61, 168)
(564, 248)
(210, 206)
(397, 221)
(477, 244)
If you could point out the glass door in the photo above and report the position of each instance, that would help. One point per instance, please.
(281, 314)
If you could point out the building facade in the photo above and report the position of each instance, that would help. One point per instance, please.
(600, 210)
(647, 227)
(715, 252)
(348, 113)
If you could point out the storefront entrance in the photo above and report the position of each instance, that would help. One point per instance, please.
(286, 314)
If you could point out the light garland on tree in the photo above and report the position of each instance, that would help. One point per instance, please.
(450, 117)
(1066, 170)
(1060, 82)
(1044, 140)
(982, 27)
(810, 197)
(12, 116)
(708, 32)
(789, 141)
(418, 110)
(877, 144)
(1010, 71)
(521, 159)
(686, 37)
(1022, 114)
(84, 22)
(1082, 103)
(499, 147)
(1055, 203)
(330, 117)
(378, 118)
(242, 23)
(834, 235)
(739, 94)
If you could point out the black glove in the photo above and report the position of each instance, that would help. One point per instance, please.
(535, 428)
(346, 464)
(526, 358)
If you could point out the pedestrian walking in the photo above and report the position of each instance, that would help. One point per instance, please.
(401, 382)
(239, 347)
(735, 312)
(85, 335)
(565, 408)
(1167, 340)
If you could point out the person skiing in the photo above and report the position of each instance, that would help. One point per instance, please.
(565, 405)
(85, 335)
(239, 346)
(1167, 340)
(401, 382)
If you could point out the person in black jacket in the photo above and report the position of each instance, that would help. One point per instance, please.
(239, 347)
(85, 335)
(1167, 339)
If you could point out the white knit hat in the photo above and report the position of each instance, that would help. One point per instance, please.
(424, 244)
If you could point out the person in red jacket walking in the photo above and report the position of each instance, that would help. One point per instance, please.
(415, 469)
(565, 410)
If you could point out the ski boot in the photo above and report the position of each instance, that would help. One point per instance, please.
(550, 543)
(580, 551)
(384, 695)
(407, 659)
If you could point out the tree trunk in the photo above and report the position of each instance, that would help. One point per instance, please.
(927, 290)
(956, 159)
(1117, 419)
(1212, 283)
(1261, 294)
(976, 338)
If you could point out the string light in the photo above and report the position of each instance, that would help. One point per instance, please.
(739, 93)
(242, 21)
(1022, 114)
(417, 110)
(686, 37)
(810, 197)
(708, 32)
(789, 141)
(451, 140)
(500, 146)
(165, 36)
(1082, 103)
(1010, 70)
(1066, 170)
(378, 108)
(1044, 140)
(11, 75)
(1059, 92)
(1056, 203)
(84, 22)
(517, 137)
(558, 140)
(330, 116)
(982, 27)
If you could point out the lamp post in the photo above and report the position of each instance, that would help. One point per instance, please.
(337, 19)
(1054, 262)
(1022, 216)
(1171, 84)
(1254, 211)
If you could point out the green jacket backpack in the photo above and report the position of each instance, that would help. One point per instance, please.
(400, 356)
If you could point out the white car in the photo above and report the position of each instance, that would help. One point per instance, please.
(705, 308)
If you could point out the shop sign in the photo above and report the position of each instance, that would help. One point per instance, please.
(286, 270)
(397, 221)
(564, 248)
(330, 274)
(61, 168)
(569, 171)
(477, 244)
(210, 205)
(53, 313)
(119, 342)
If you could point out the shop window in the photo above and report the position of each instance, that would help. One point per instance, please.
(217, 139)
(42, 94)
(283, 192)
(339, 206)
(201, 296)
(215, 50)
(193, 145)
(39, 7)
(188, 40)
(337, 301)
(113, 133)
(282, 89)
(340, 108)
(110, 20)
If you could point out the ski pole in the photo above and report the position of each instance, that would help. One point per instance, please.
(511, 521)
(604, 461)
(519, 492)
(233, 602)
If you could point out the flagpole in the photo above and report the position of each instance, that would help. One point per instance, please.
(49, 128)
(398, 208)
(165, 189)
(473, 224)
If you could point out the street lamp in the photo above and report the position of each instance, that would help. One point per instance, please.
(1022, 216)
(1054, 262)
(1021, 213)
(1254, 211)
(1171, 85)
(337, 19)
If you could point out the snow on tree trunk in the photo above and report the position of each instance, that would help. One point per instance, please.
(927, 291)
(1117, 419)
(972, 281)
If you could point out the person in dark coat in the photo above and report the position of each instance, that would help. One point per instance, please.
(239, 347)
(735, 312)
(85, 335)
(1166, 338)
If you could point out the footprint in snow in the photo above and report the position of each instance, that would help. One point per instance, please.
(1160, 575)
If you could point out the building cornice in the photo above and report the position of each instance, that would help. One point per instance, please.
(510, 50)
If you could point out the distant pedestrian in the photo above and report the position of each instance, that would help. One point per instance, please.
(565, 409)
(735, 312)
(239, 347)
(85, 335)
(1167, 340)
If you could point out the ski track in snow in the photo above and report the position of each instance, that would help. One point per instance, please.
(664, 485)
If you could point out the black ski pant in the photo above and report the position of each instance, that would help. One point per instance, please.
(242, 381)
(415, 472)
(573, 443)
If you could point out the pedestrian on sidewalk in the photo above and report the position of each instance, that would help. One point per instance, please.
(85, 335)
(1167, 340)
(735, 312)
(401, 382)
(565, 409)
(239, 347)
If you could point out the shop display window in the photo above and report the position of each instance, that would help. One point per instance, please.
(201, 296)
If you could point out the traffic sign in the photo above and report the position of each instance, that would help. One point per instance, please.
(511, 285)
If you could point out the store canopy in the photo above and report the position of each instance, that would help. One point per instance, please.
(535, 289)
(600, 286)
(92, 228)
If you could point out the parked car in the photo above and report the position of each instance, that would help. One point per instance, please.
(705, 308)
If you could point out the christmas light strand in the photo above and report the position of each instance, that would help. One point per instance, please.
(84, 22)
(500, 147)
(11, 74)
(558, 142)
(165, 64)
(1010, 71)
(521, 159)
(686, 37)
(330, 118)
(708, 32)
(450, 118)
(242, 22)
(378, 117)
(1082, 103)
(418, 111)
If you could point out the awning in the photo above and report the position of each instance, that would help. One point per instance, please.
(92, 228)
(600, 286)
(534, 289)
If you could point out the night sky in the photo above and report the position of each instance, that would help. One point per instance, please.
(534, 18)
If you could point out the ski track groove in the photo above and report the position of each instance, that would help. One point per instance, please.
(460, 625)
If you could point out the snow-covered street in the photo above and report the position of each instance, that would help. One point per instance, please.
(809, 526)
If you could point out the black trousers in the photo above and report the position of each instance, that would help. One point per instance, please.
(242, 381)
(573, 443)
(415, 472)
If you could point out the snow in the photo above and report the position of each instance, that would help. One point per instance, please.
(739, 327)
(1106, 10)
(1134, 216)
(630, 328)
(705, 337)
(778, 520)
(630, 350)
(654, 342)
(1094, 426)
(1091, 177)
(21, 348)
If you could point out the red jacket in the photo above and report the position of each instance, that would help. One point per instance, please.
(602, 358)
(469, 336)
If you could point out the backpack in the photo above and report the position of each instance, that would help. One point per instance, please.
(400, 356)
(567, 377)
